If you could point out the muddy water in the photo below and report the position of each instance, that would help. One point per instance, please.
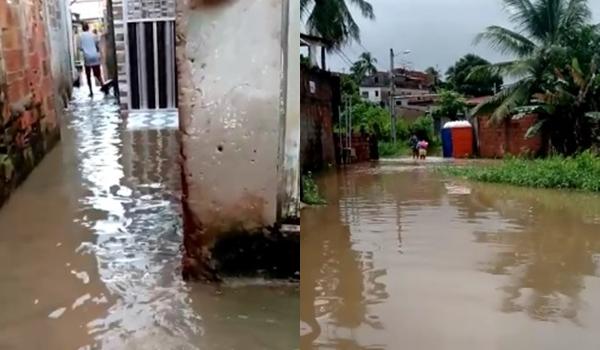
(403, 259)
(90, 251)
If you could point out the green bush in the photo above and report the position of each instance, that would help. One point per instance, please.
(310, 191)
(402, 129)
(423, 128)
(388, 149)
(581, 172)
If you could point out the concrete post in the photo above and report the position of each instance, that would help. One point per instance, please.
(239, 118)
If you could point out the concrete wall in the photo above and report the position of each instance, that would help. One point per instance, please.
(58, 24)
(30, 98)
(239, 126)
(319, 108)
(289, 191)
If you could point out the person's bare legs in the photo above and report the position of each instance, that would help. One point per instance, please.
(88, 75)
(98, 74)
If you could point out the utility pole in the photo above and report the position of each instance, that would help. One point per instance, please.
(392, 94)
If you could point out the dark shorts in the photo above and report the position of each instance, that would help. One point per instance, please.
(95, 69)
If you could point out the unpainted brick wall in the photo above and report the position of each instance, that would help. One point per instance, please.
(318, 109)
(499, 139)
(28, 110)
(361, 144)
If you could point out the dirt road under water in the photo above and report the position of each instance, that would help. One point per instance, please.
(90, 250)
(403, 259)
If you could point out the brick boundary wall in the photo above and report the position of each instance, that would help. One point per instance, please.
(364, 149)
(318, 109)
(507, 137)
(29, 99)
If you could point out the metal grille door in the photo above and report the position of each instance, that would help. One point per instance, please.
(152, 72)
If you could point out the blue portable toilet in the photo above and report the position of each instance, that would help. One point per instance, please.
(447, 141)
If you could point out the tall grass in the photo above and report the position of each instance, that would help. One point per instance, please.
(581, 172)
(388, 149)
(310, 191)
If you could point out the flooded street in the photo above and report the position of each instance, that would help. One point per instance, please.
(90, 250)
(403, 259)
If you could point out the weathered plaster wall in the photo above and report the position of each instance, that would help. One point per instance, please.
(289, 202)
(58, 23)
(239, 143)
(28, 105)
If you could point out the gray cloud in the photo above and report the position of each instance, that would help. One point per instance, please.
(438, 32)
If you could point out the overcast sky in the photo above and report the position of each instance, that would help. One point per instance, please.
(438, 32)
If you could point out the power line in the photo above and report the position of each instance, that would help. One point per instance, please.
(344, 58)
(347, 58)
(363, 47)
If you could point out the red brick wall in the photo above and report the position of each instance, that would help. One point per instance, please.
(361, 145)
(318, 109)
(508, 137)
(28, 118)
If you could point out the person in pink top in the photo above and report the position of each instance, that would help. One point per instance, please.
(422, 146)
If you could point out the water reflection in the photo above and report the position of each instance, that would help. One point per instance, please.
(101, 215)
(548, 258)
(402, 256)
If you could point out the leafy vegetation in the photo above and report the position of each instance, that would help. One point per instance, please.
(310, 191)
(423, 128)
(451, 104)
(389, 149)
(435, 77)
(333, 20)
(557, 71)
(581, 172)
(460, 79)
(363, 67)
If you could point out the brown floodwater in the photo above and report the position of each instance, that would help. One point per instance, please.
(90, 250)
(401, 258)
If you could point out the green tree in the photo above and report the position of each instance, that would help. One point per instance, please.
(423, 128)
(451, 104)
(460, 78)
(364, 66)
(435, 77)
(372, 119)
(555, 67)
(332, 19)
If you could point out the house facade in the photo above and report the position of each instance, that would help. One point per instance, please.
(413, 94)
(376, 87)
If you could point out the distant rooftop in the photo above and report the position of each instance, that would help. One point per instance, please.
(403, 79)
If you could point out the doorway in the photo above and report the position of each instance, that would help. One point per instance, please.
(151, 65)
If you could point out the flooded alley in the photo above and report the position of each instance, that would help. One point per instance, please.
(90, 250)
(401, 258)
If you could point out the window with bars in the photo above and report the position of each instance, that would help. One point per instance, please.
(152, 67)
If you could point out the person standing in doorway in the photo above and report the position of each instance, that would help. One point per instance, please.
(90, 48)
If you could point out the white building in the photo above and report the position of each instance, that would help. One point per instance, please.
(373, 94)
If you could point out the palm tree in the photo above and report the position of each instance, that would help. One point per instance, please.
(542, 44)
(434, 75)
(332, 20)
(364, 66)
(538, 23)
